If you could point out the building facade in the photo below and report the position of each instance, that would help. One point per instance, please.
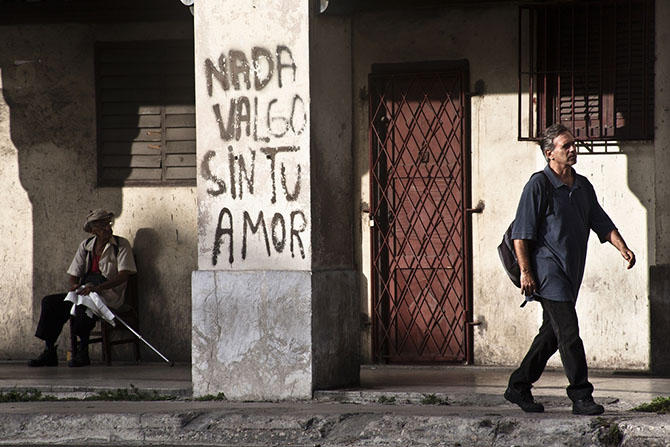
(356, 166)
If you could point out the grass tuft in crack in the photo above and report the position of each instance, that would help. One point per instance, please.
(25, 396)
(134, 394)
(608, 432)
(432, 399)
(386, 400)
(209, 397)
(660, 405)
(121, 394)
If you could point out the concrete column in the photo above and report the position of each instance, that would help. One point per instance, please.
(659, 246)
(274, 306)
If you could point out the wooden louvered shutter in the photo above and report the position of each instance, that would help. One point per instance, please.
(146, 113)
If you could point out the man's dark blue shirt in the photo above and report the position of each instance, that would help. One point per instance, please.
(561, 237)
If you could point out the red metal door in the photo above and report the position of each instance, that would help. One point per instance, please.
(419, 234)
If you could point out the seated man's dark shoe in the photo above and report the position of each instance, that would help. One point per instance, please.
(80, 358)
(587, 407)
(524, 400)
(48, 357)
(78, 361)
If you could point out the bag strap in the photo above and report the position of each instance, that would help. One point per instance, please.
(547, 205)
(548, 193)
(89, 259)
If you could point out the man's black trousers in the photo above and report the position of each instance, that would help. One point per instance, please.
(559, 331)
(55, 313)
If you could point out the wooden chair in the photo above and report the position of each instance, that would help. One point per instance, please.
(109, 335)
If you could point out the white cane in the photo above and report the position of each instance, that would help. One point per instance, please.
(171, 363)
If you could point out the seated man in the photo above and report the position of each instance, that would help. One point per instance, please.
(103, 263)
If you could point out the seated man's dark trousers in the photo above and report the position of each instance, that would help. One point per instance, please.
(559, 330)
(55, 313)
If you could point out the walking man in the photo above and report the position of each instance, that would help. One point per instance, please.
(557, 210)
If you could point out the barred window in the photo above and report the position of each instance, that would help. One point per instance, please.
(146, 113)
(590, 66)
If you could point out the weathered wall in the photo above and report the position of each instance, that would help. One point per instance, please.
(613, 304)
(253, 139)
(16, 276)
(48, 164)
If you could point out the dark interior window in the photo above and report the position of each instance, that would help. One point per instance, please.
(590, 66)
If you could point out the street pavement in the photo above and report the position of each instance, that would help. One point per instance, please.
(393, 406)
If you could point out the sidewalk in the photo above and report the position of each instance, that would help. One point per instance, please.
(395, 406)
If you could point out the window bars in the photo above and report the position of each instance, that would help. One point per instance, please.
(590, 66)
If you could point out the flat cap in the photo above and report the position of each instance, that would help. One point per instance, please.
(96, 215)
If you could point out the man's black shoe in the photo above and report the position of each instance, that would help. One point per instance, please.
(81, 357)
(75, 363)
(48, 357)
(524, 400)
(587, 407)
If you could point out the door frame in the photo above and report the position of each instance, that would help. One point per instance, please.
(423, 67)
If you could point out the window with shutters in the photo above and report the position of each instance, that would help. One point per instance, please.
(146, 113)
(590, 66)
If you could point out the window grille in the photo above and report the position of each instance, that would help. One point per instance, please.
(590, 66)
(146, 113)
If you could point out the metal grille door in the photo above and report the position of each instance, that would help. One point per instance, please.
(418, 217)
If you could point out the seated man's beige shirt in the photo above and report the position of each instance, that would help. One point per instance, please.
(110, 265)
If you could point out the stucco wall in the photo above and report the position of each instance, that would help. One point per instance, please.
(48, 165)
(253, 193)
(613, 304)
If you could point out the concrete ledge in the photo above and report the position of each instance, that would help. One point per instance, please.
(316, 424)
(476, 413)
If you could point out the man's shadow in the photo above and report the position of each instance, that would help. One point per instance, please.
(161, 321)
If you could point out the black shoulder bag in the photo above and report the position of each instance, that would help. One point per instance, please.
(506, 247)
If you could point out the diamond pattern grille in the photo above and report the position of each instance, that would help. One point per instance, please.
(418, 207)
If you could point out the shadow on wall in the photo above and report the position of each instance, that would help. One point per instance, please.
(48, 83)
(640, 160)
(147, 248)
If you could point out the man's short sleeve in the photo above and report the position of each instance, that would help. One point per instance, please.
(526, 222)
(78, 266)
(125, 259)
